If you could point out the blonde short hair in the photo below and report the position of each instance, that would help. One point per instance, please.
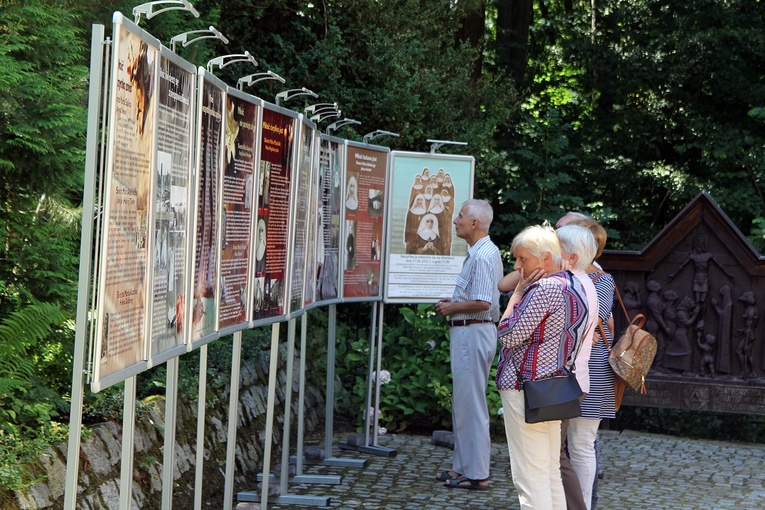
(538, 239)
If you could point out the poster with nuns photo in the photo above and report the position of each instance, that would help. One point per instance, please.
(423, 256)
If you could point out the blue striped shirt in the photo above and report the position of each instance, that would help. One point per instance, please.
(600, 402)
(542, 331)
(478, 280)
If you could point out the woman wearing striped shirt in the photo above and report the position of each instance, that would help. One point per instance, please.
(600, 402)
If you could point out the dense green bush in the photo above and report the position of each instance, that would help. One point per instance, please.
(416, 356)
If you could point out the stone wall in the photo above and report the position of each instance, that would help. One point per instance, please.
(101, 451)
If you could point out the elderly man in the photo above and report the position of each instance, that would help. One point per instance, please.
(473, 309)
(541, 332)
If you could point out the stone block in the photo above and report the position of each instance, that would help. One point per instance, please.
(355, 439)
(443, 438)
(314, 454)
(291, 470)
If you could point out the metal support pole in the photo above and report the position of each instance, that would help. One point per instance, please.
(378, 383)
(301, 396)
(284, 498)
(171, 412)
(299, 458)
(270, 414)
(370, 374)
(233, 418)
(375, 349)
(83, 287)
(287, 407)
(201, 408)
(128, 440)
(329, 411)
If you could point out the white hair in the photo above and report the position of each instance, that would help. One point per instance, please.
(480, 210)
(579, 241)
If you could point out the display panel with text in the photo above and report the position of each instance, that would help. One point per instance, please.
(329, 217)
(423, 255)
(366, 173)
(122, 288)
(212, 98)
(302, 251)
(277, 146)
(238, 202)
(170, 218)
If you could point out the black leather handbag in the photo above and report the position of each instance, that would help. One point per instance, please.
(552, 398)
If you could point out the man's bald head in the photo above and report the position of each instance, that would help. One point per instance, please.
(569, 217)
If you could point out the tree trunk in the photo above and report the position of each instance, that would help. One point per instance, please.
(513, 20)
(472, 31)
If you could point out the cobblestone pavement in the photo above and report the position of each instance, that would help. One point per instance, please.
(642, 471)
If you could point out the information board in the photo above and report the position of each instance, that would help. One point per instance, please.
(238, 209)
(212, 100)
(170, 214)
(423, 255)
(301, 251)
(330, 213)
(366, 173)
(121, 329)
(277, 151)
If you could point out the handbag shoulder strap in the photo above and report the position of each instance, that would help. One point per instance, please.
(619, 297)
(603, 333)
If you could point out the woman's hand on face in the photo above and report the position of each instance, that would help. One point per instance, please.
(527, 280)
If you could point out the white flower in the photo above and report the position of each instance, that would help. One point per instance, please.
(431, 344)
(382, 431)
(384, 376)
(501, 411)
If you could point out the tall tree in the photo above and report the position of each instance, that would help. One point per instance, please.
(514, 18)
(42, 139)
(633, 118)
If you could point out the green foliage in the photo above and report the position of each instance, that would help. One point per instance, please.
(41, 153)
(17, 453)
(416, 353)
(25, 403)
(395, 65)
(661, 101)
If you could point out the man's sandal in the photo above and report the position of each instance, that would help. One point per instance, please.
(467, 483)
(445, 476)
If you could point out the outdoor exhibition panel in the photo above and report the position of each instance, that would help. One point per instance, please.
(366, 177)
(278, 155)
(331, 213)
(170, 275)
(141, 276)
(240, 155)
(313, 217)
(210, 133)
(303, 221)
(423, 255)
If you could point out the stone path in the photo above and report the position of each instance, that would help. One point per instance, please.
(642, 471)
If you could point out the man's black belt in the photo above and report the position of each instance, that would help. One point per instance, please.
(467, 322)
